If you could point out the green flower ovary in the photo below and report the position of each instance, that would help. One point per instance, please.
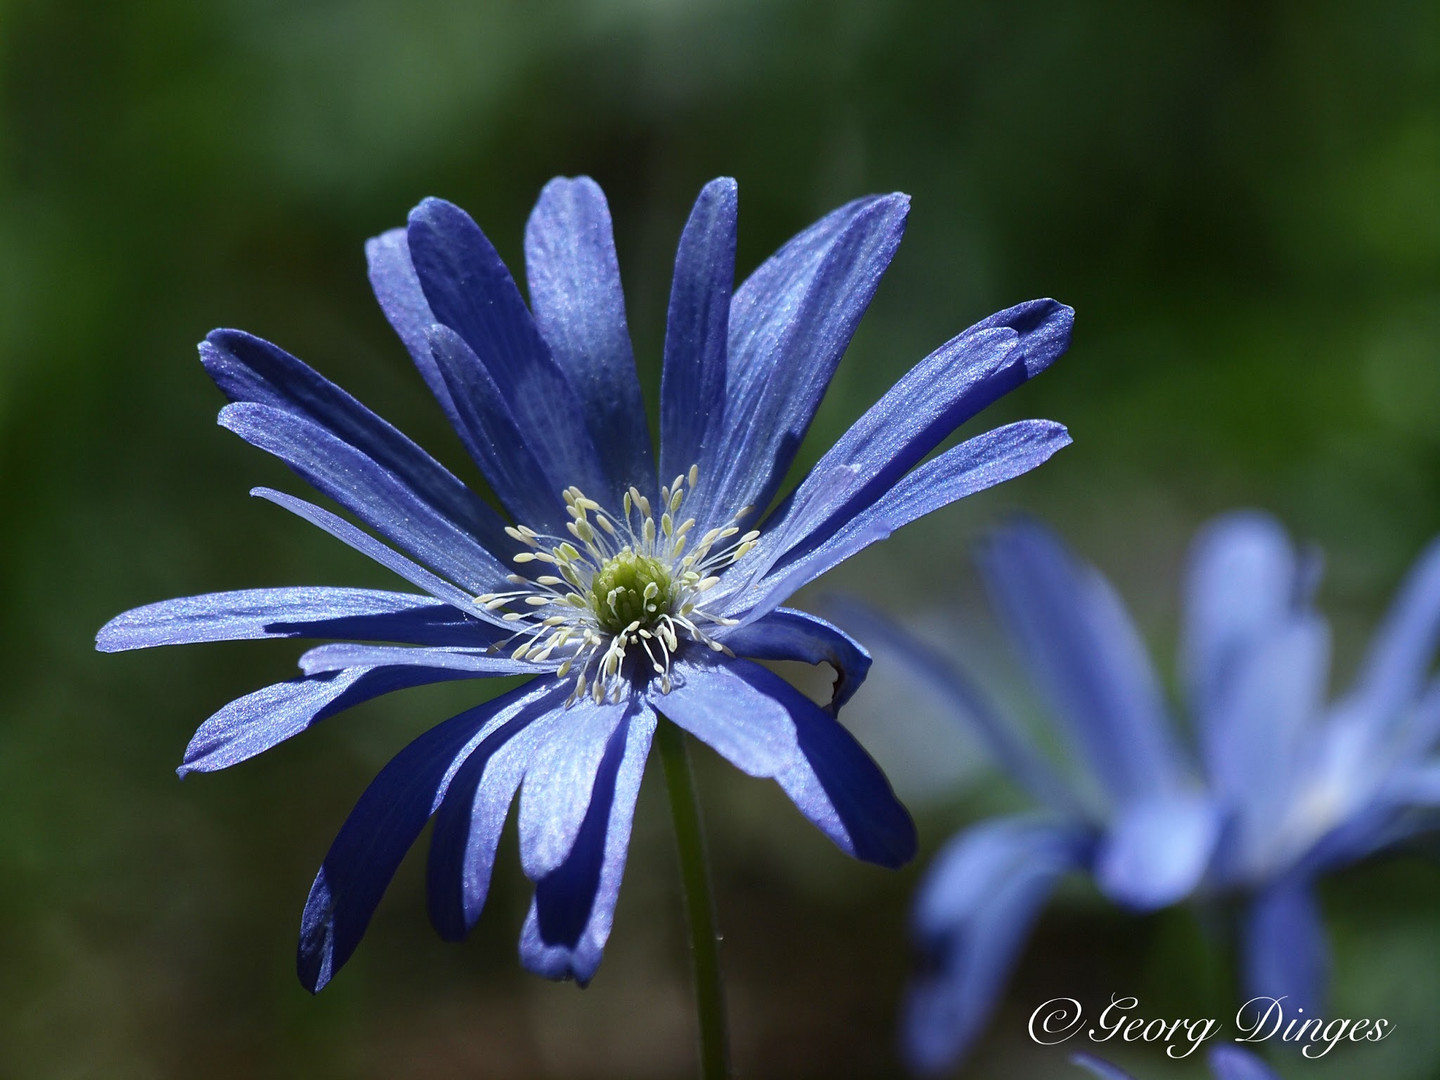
(630, 589)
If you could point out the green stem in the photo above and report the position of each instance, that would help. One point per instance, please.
(699, 902)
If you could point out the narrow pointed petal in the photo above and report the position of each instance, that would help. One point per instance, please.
(397, 288)
(1100, 1067)
(973, 911)
(1285, 951)
(380, 829)
(787, 634)
(472, 816)
(1155, 851)
(341, 655)
(574, 907)
(311, 611)
(266, 717)
(556, 792)
(790, 322)
(375, 495)
(765, 727)
(1232, 1063)
(579, 306)
(974, 465)
(1044, 327)
(493, 436)
(1242, 584)
(692, 384)
(1074, 633)
(247, 368)
(366, 544)
(469, 290)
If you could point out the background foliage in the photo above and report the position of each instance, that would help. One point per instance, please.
(1240, 200)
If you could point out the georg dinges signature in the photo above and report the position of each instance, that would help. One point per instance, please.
(1258, 1020)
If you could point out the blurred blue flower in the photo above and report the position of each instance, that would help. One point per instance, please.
(1280, 787)
(645, 591)
(1226, 1063)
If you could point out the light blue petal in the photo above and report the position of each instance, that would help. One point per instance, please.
(790, 321)
(1285, 951)
(309, 611)
(574, 907)
(787, 634)
(692, 384)
(375, 495)
(973, 910)
(579, 307)
(397, 288)
(1156, 850)
(766, 728)
(341, 655)
(1070, 628)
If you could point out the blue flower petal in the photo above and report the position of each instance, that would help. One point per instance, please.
(372, 493)
(1044, 327)
(308, 611)
(1155, 850)
(1100, 1067)
(248, 368)
(787, 634)
(1285, 952)
(266, 717)
(397, 288)
(940, 393)
(470, 291)
(574, 907)
(579, 307)
(382, 826)
(765, 727)
(472, 816)
(692, 384)
(338, 656)
(493, 436)
(366, 544)
(556, 793)
(1071, 629)
(789, 324)
(1242, 584)
(974, 465)
(972, 913)
(1232, 1063)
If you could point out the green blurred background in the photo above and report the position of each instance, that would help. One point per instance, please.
(1241, 200)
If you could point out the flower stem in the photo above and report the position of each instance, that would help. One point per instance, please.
(699, 902)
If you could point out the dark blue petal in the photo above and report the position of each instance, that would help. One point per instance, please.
(574, 907)
(1011, 748)
(470, 291)
(249, 369)
(579, 307)
(1155, 850)
(556, 794)
(254, 723)
(1232, 1063)
(1241, 586)
(366, 544)
(310, 611)
(375, 495)
(1285, 953)
(972, 912)
(342, 655)
(789, 324)
(1044, 327)
(493, 436)
(472, 816)
(1074, 634)
(692, 385)
(1100, 1067)
(787, 634)
(974, 465)
(948, 387)
(765, 727)
(382, 826)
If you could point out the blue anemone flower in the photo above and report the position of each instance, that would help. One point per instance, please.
(1226, 1063)
(1278, 788)
(627, 583)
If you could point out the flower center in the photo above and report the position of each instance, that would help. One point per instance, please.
(624, 583)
